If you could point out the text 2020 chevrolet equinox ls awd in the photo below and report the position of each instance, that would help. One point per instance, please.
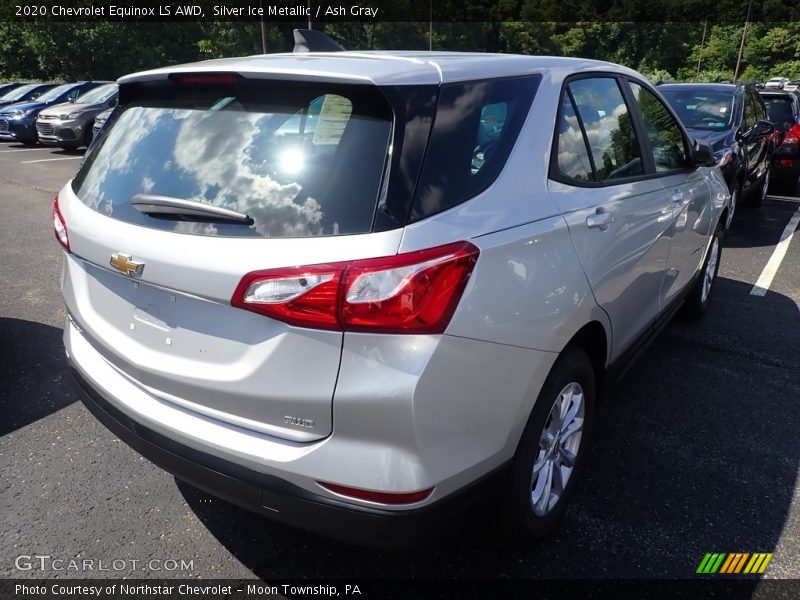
(356, 291)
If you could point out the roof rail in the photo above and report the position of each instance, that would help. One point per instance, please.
(310, 40)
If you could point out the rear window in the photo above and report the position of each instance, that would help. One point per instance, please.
(779, 110)
(474, 130)
(17, 93)
(299, 159)
(702, 109)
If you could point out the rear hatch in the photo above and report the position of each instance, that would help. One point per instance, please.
(200, 181)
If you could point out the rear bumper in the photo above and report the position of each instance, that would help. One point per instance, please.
(786, 163)
(284, 502)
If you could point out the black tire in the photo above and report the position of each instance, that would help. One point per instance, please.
(517, 516)
(736, 199)
(698, 299)
(791, 187)
(757, 195)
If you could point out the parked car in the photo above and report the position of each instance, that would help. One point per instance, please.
(100, 121)
(18, 121)
(7, 87)
(263, 247)
(777, 82)
(69, 125)
(733, 119)
(25, 93)
(783, 109)
(791, 86)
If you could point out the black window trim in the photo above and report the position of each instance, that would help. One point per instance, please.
(586, 145)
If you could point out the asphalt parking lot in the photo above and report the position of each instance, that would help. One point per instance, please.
(697, 450)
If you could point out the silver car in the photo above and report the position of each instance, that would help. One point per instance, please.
(70, 125)
(361, 293)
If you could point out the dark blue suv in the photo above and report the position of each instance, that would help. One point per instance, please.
(18, 121)
(733, 119)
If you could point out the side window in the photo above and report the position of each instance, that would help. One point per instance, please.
(493, 120)
(573, 154)
(663, 132)
(761, 107)
(73, 95)
(474, 130)
(609, 129)
(751, 110)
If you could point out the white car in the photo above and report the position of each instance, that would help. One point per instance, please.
(359, 292)
(777, 82)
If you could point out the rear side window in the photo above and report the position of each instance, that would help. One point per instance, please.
(609, 129)
(573, 154)
(474, 130)
(299, 159)
(752, 111)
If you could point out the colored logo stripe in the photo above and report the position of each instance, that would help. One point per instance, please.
(723, 563)
(711, 563)
(735, 562)
(758, 563)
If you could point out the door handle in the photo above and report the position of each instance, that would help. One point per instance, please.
(599, 220)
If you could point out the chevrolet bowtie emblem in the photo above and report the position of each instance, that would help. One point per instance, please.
(125, 264)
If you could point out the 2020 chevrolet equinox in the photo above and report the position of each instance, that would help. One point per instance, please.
(357, 291)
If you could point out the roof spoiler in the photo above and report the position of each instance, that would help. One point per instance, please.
(310, 40)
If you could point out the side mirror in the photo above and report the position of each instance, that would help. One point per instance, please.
(758, 130)
(703, 155)
(762, 128)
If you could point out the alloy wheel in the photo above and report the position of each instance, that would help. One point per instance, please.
(732, 207)
(559, 445)
(711, 270)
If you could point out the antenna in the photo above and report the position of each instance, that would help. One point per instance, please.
(310, 40)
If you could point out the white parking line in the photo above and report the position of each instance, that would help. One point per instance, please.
(26, 162)
(764, 281)
(24, 150)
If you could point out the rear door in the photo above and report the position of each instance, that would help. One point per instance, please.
(619, 217)
(151, 291)
(685, 187)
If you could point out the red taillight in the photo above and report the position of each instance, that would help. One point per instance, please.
(302, 296)
(793, 135)
(786, 163)
(205, 78)
(416, 292)
(60, 225)
(382, 497)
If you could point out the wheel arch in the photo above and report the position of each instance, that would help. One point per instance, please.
(593, 339)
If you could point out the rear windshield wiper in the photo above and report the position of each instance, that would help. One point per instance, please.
(164, 206)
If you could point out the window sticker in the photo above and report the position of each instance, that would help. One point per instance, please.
(333, 118)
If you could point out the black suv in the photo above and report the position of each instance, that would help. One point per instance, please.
(783, 108)
(733, 119)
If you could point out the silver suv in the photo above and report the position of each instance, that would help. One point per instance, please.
(360, 292)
